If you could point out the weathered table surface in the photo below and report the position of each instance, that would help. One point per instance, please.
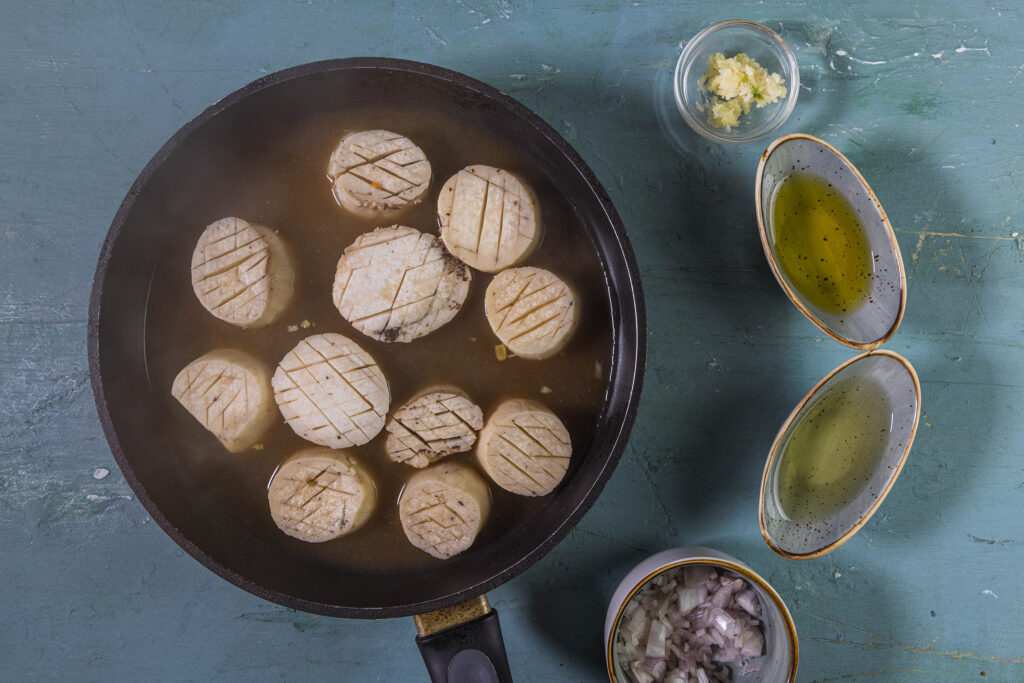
(926, 102)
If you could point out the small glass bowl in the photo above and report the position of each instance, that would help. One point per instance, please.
(731, 38)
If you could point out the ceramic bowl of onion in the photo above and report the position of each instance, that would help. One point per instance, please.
(697, 615)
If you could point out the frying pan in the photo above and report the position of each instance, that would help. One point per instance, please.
(459, 632)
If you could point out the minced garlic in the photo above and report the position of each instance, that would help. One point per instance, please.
(736, 84)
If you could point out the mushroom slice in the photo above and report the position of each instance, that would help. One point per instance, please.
(397, 284)
(524, 448)
(242, 273)
(318, 495)
(229, 392)
(489, 218)
(331, 392)
(531, 310)
(376, 172)
(443, 507)
(433, 424)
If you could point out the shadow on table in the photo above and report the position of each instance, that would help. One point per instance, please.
(714, 312)
(946, 302)
(732, 353)
(826, 605)
(829, 609)
(710, 299)
(572, 620)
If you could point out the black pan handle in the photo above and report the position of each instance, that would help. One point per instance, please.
(470, 650)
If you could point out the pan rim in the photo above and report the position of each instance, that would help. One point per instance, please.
(631, 338)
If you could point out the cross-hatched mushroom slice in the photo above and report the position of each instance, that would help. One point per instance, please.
(397, 284)
(242, 273)
(438, 422)
(531, 311)
(318, 495)
(375, 172)
(443, 508)
(229, 392)
(524, 448)
(489, 218)
(331, 392)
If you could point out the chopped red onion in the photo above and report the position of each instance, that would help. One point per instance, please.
(638, 673)
(725, 624)
(689, 625)
(747, 599)
(691, 597)
(656, 639)
(656, 666)
(751, 643)
(724, 593)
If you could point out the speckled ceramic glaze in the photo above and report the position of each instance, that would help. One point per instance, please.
(808, 538)
(779, 631)
(870, 325)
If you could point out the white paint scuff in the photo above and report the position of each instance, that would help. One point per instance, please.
(101, 473)
(844, 53)
(963, 48)
(94, 498)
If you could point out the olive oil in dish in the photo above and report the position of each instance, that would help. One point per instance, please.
(834, 450)
(820, 244)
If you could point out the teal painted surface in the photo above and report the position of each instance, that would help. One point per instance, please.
(925, 102)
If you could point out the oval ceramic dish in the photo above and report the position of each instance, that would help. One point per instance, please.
(781, 648)
(875, 321)
(794, 529)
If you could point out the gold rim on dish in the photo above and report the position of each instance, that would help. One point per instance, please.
(774, 453)
(762, 229)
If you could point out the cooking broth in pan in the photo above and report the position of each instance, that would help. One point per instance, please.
(280, 181)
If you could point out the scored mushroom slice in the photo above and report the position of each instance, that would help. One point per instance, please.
(524, 448)
(489, 218)
(443, 508)
(374, 172)
(318, 495)
(331, 392)
(531, 311)
(242, 273)
(397, 284)
(229, 392)
(435, 423)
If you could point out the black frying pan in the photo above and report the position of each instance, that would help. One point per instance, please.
(144, 230)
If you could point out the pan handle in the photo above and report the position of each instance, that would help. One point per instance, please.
(463, 644)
